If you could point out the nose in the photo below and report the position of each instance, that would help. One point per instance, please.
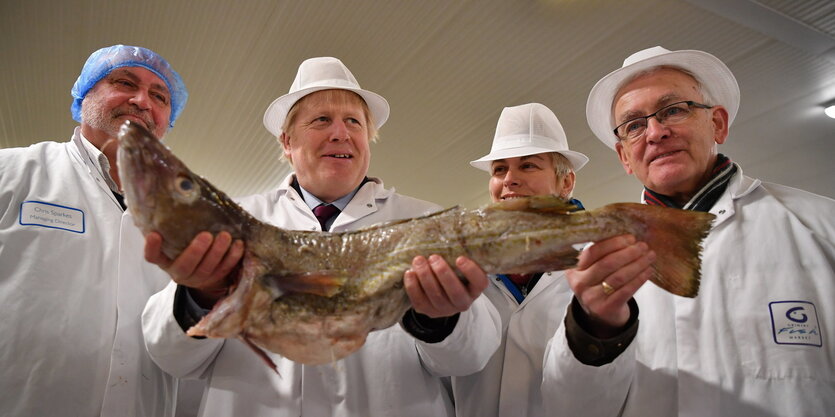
(141, 99)
(511, 178)
(656, 130)
(339, 131)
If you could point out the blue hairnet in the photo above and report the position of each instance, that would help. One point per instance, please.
(101, 62)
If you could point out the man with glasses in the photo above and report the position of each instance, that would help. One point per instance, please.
(757, 340)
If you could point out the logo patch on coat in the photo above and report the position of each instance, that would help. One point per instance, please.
(53, 216)
(795, 323)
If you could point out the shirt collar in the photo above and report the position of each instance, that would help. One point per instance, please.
(312, 201)
(95, 159)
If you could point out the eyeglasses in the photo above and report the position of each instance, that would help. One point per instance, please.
(669, 115)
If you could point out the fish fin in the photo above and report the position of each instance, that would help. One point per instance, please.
(538, 203)
(229, 314)
(392, 222)
(676, 237)
(325, 284)
(260, 352)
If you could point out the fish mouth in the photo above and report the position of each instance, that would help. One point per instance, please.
(136, 164)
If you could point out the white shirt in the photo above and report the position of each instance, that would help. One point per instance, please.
(393, 374)
(756, 341)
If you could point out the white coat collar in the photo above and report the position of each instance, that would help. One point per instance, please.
(93, 158)
(739, 186)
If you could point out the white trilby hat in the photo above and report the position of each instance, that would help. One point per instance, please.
(714, 76)
(316, 74)
(525, 130)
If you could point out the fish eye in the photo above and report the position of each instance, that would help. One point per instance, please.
(186, 188)
(185, 184)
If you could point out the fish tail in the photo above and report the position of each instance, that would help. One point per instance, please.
(676, 237)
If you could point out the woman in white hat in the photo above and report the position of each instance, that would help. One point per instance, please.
(529, 156)
(325, 124)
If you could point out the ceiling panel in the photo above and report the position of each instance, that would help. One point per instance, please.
(447, 69)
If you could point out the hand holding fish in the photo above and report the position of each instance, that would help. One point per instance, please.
(204, 265)
(435, 290)
(622, 263)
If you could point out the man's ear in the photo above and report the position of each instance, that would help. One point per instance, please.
(622, 155)
(719, 117)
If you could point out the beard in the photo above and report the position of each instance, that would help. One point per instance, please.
(96, 115)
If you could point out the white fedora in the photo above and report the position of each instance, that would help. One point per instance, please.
(316, 74)
(525, 130)
(714, 76)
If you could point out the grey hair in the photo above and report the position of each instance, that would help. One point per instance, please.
(706, 96)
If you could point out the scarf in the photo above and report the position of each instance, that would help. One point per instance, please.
(723, 170)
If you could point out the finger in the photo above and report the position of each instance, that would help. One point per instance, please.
(429, 283)
(230, 260)
(628, 290)
(416, 295)
(455, 297)
(153, 250)
(214, 256)
(593, 253)
(632, 261)
(183, 267)
(604, 268)
(611, 308)
(476, 278)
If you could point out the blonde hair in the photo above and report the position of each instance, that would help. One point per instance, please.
(562, 167)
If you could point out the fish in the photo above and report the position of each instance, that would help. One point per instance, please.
(313, 297)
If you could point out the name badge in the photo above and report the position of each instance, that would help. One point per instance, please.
(795, 323)
(53, 216)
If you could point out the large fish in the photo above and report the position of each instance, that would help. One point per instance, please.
(313, 297)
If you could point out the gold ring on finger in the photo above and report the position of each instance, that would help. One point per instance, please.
(607, 289)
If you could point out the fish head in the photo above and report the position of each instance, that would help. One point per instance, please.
(163, 195)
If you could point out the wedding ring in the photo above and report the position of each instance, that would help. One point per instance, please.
(607, 289)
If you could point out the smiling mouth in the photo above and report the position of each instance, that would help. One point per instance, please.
(512, 196)
(664, 155)
(339, 156)
(137, 119)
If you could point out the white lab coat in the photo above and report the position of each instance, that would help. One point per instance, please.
(730, 351)
(509, 386)
(393, 374)
(71, 338)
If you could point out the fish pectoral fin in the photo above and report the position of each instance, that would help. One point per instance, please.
(325, 284)
(538, 203)
(260, 353)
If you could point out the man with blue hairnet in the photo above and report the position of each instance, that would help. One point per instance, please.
(72, 343)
